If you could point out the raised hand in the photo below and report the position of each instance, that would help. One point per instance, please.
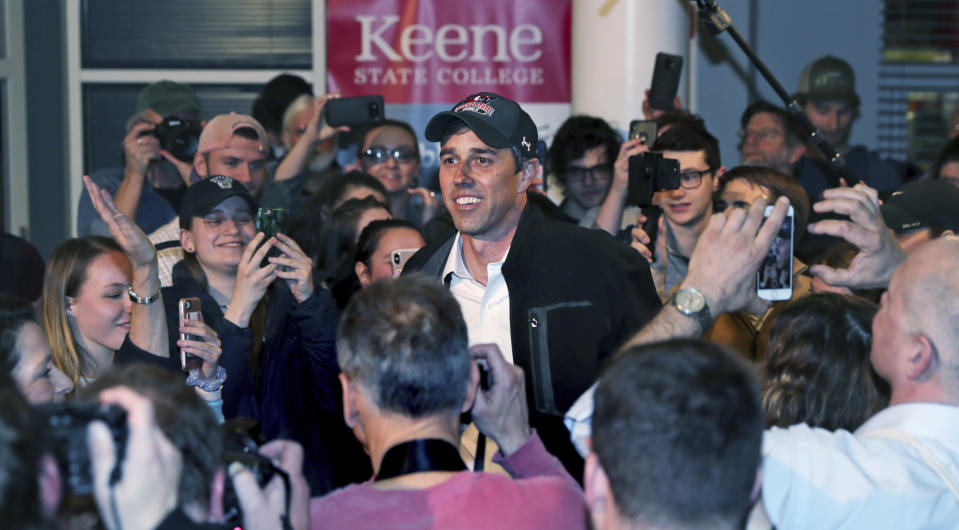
(252, 280)
(296, 268)
(879, 253)
(140, 147)
(150, 478)
(135, 244)
(501, 411)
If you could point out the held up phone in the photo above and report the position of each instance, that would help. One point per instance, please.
(354, 110)
(189, 310)
(271, 221)
(665, 83)
(648, 173)
(774, 280)
(541, 156)
(398, 259)
(645, 130)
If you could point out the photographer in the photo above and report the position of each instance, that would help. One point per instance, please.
(171, 468)
(407, 376)
(149, 187)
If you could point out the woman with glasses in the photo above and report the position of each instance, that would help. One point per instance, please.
(277, 332)
(390, 153)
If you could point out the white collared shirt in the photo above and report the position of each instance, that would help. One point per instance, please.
(485, 307)
(814, 478)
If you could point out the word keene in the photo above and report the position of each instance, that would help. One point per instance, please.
(451, 42)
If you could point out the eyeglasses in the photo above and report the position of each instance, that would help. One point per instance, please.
(761, 135)
(378, 154)
(597, 173)
(692, 179)
(216, 219)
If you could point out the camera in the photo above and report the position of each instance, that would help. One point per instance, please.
(65, 425)
(648, 173)
(239, 446)
(178, 136)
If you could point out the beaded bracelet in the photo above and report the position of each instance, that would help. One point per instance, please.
(210, 386)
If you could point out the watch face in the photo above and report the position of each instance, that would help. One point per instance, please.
(690, 301)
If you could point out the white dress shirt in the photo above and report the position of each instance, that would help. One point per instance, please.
(485, 307)
(875, 478)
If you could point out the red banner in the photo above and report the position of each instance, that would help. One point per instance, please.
(437, 51)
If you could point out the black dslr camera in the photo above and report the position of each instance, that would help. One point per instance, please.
(239, 445)
(65, 425)
(178, 136)
(648, 173)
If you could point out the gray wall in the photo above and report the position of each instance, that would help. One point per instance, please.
(46, 123)
(788, 36)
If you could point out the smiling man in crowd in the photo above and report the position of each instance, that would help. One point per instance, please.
(557, 299)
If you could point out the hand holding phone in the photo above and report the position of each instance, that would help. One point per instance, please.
(189, 309)
(774, 278)
(662, 91)
(354, 110)
(645, 130)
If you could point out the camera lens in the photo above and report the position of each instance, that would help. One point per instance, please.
(396, 259)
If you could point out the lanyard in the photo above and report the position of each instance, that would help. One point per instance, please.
(417, 456)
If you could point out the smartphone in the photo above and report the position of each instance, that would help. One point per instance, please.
(541, 156)
(399, 257)
(665, 83)
(271, 221)
(774, 280)
(354, 110)
(645, 130)
(189, 310)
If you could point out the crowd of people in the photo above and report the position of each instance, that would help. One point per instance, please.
(475, 355)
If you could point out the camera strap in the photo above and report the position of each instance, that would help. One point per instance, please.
(418, 456)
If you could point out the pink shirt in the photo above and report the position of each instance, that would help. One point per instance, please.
(541, 494)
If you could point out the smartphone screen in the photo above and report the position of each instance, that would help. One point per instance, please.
(189, 310)
(774, 278)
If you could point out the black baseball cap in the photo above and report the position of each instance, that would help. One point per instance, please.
(498, 121)
(923, 204)
(828, 78)
(203, 195)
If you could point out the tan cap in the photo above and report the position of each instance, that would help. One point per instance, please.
(218, 133)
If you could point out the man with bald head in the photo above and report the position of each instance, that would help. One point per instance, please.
(901, 468)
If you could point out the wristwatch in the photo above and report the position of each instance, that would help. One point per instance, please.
(142, 301)
(692, 303)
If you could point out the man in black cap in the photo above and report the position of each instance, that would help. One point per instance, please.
(557, 299)
(827, 92)
(922, 211)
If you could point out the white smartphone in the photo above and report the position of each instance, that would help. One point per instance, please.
(398, 258)
(774, 280)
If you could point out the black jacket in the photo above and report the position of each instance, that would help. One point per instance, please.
(575, 296)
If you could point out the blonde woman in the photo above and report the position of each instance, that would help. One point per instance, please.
(102, 295)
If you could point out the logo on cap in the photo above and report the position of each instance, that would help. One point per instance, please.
(225, 183)
(526, 144)
(478, 103)
(831, 79)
